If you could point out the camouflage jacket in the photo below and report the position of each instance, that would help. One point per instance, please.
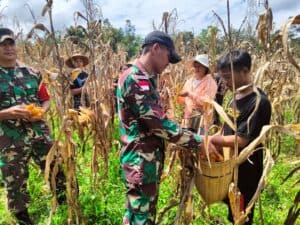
(143, 127)
(18, 86)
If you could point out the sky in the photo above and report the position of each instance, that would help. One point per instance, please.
(193, 15)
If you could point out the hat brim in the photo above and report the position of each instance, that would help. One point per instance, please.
(6, 37)
(194, 60)
(70, 61)
(174, 57)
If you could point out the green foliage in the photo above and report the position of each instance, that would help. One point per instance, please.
(205, 38)
(114, 36)
(111, 34)
(277, 197)
(104, 204)
(125, 37)
(131, 41)
(294, 36)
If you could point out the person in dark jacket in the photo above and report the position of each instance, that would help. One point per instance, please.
(254, 111)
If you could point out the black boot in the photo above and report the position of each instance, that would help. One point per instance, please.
(23, 218)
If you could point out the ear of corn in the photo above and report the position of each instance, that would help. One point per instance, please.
(75, 74)
(35, 111)
(213, 157)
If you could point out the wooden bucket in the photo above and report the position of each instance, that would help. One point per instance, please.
(212, 184)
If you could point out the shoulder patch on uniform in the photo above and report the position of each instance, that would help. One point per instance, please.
(144, 85)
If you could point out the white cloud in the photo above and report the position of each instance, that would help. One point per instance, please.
(194, 15)
(19, 10)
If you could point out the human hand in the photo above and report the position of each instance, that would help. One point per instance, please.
(208, 149)
(36, 112)
(16, 112)
(207, 145)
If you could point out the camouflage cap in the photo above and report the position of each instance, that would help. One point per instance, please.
(5, 34)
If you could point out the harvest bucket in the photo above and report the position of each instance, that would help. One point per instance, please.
(212, 182)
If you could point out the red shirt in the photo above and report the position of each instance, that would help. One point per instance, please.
(43, 93)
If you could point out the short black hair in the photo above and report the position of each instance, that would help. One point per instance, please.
(146, 49)
(240, 60)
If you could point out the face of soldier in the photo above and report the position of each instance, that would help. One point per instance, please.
(161, 56)
(8, 51)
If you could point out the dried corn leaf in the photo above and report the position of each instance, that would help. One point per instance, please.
(264, 26)
(47, 7)
(259, 75)
(285, 33)
(78, 14)
(38, 26)
(291, 129)
(221, 112)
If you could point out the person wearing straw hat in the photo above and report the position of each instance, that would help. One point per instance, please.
(77, 62)
(253, 112)
(200, 86)
(144, 127)
(23, 135)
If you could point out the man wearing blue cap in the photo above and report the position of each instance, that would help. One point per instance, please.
(144, 127)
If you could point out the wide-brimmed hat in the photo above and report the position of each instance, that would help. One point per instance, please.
(5, 34)
(70, 61)
(202, 59)
(164, 39)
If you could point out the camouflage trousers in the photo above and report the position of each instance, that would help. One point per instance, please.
(141, 201)
(15, 172)
(141, 173)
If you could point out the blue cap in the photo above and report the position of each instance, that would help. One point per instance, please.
(5, 34)
(164, 39)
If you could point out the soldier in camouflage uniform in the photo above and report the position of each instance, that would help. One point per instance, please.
(144, 127)
(22, 137)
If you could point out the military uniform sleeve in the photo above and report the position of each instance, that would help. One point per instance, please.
(143, 101)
